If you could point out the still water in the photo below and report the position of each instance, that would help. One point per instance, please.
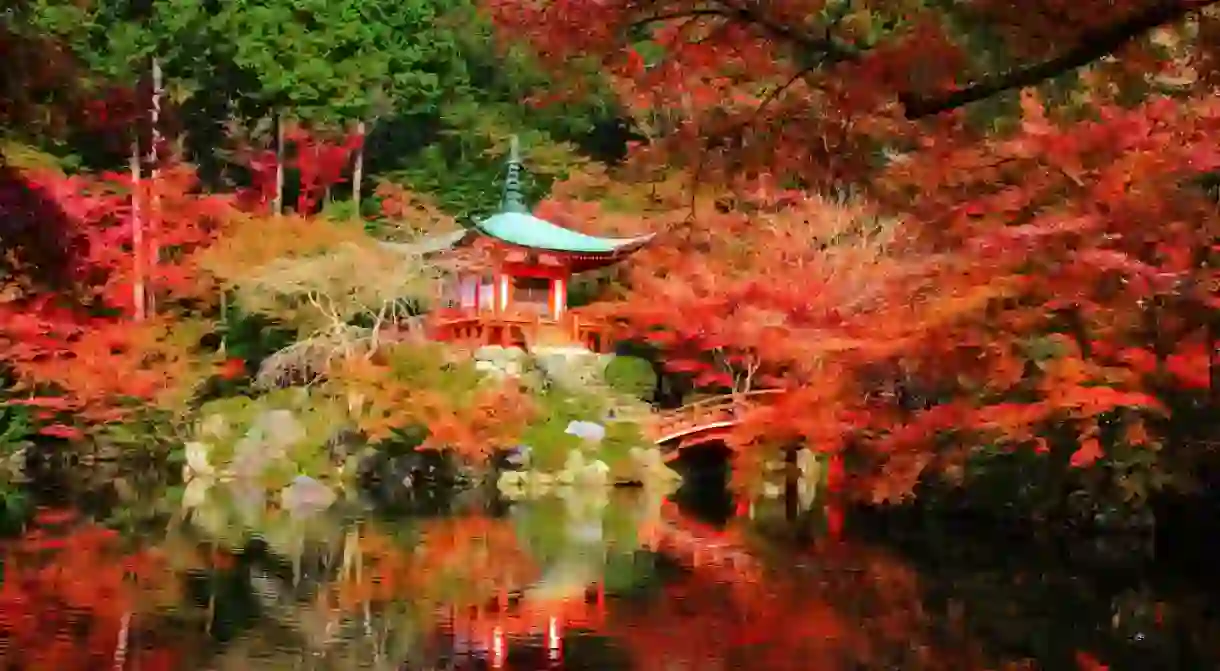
(128, 575)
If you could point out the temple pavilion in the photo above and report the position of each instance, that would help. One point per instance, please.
(520, 297)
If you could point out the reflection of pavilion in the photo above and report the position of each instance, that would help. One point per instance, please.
(487, 629)
(522, 297)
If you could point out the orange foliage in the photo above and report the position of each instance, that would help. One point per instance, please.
(481, 556)
(1056, 269)
(473, 419)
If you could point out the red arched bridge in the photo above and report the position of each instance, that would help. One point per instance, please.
(706, 421)
(712, 420)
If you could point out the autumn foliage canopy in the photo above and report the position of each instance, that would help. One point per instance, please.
(1016, 246)
(949, 231)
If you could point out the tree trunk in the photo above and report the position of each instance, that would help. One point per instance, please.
(277, 206)
(224, 322)
(154, 208)
(358, 169)
(137, 234)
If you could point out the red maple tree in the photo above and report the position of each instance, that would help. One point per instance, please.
(1049, 280)
(67, 323)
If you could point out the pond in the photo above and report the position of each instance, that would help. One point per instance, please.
(122, 575)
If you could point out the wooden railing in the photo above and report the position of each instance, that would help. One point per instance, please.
(517, 329)
(708, 413)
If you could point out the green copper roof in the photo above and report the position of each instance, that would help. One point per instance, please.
(526, 230)
(515, 225)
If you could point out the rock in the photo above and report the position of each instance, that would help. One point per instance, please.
(249, 500)
(651, 467)
(196, 492)
(589, 431)
(215, 426)
(197, 459)
(281, 429)
(511, 484)
(595, 474)
(251, 457)
(499, 361)
(306, 496)
(574, 462)
(519, 456)
(539, 484)
(344, 444)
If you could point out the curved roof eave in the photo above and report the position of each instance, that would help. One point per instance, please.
(429, 244)
(526, 230)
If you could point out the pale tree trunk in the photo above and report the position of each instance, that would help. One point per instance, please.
(137, 234)
(358, 169)
(154, 208)
(120, 649)
(278, 206)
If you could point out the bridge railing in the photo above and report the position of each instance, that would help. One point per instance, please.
(709, 411)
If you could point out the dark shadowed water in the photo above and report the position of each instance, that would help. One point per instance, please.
(123, 574)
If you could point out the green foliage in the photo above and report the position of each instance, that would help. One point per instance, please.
(16, 428)
(456, 152)
(542, 525)
(439, 96)
(545, 525)
(335, 62)
(252, 337)
(550, 443)
(14, 508)
(631, 375)
(228, 422)
(24, 157)
(456, 381)
(149, 431)
(463, 165)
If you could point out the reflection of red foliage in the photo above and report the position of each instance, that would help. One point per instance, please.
(859, 608)
(1087, 662)
(68, 600)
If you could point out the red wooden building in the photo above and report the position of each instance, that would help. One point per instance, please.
(521, 297)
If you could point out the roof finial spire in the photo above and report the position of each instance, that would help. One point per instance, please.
(513, 200)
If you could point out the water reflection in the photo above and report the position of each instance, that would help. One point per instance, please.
(613, 580)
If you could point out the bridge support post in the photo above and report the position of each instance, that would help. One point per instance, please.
(792, 480)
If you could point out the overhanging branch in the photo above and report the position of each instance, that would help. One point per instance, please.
(1092, 47)
(822, 49)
